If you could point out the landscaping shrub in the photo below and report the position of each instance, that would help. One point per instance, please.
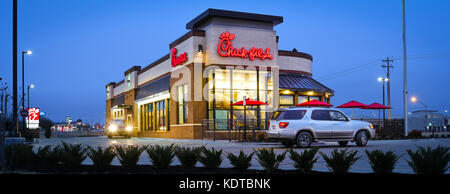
(269, 160)
(211, 158)
(242, 161)
(382, 162)
(73, 155)
(429, 160)
(340, 161)
(161, 156)
(20, 156)
(188, 156)
(304, 162)
(101, 158)
(415, 134)
(129, 155)
(48, 157)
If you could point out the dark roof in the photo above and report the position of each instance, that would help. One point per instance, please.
(118, 100)
(298, 82)
(209, 13)
(154, 87)
(294, 54)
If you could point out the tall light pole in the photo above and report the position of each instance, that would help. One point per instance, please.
(405, 90)
(23, 84)
(380, 79)
(28, 101)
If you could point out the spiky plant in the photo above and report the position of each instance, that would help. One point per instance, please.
(211, 158)
(73, 155)
(382, 162)
(161, 156)
(242, 161)
(49, 157)
(269, 160)
(429, 160)
(188, 156)
(304, 162)
(129, 155)
(340, 161)
(19, 156)
(101, 158)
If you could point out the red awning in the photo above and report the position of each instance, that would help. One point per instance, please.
(352, 104)
(315, 103)
(249, 102)
(376, 106)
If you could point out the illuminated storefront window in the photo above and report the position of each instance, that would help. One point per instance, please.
(182, 105)
(153, 116)
(244, 83)
(286, 101)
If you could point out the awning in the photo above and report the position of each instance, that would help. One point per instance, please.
(154, 87)
(298, 82)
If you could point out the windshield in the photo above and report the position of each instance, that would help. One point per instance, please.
(117, 122)
(288, 115)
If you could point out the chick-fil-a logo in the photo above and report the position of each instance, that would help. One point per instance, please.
(225, 49)
(178, 60)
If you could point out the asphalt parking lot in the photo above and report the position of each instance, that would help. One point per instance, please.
(362, 165)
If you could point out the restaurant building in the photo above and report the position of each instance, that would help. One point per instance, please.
(224, 57)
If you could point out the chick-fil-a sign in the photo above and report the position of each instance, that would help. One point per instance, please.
(225, 49)
(178, 60)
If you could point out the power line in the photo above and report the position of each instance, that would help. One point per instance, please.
(358, 67)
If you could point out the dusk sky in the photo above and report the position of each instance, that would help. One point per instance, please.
(81, 45)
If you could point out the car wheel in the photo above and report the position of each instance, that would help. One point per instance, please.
(342, 143)
(304, 140)
(287, 143)
(362, 138)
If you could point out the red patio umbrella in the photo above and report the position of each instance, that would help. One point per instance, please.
(378, 107)
(352, 104)
(248, 102)
(315, 103)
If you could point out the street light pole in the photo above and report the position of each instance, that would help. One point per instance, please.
(380, 79)
(23, 85)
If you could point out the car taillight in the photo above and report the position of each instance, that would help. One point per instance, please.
(283, 124)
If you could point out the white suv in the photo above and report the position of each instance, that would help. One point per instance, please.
(302, 126)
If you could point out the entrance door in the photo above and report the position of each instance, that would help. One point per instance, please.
(322, 123)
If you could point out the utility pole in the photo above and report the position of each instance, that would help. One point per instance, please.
(388, 66)
(405, 90)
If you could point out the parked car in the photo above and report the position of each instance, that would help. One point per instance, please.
(302, 126)
(117, 128)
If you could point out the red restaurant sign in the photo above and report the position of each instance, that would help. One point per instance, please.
(178, 60)
(225, 49)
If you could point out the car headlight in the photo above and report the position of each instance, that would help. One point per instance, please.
(112, 128)
(129, 128)
(371, 126)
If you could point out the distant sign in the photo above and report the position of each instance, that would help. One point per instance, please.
(33, 118)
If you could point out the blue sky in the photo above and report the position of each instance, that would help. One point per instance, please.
(81, 45)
